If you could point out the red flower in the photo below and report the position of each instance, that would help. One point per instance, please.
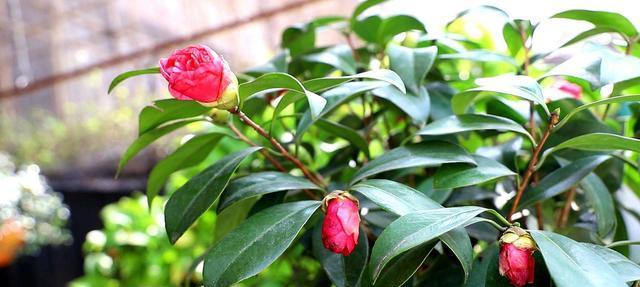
(340, 228)
(198, 73)
(516, 256)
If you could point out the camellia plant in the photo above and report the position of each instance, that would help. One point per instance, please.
(403, 159)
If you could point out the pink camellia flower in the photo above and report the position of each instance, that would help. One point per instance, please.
(570, 88)
(516, 260)
(198, 73)
(340, 228)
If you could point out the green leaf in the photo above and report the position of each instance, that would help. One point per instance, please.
(415, 229)
(459, 174)
(512, 36)
(146, 139)
(412, 65)
(120, 78)
(607, 101)
(187, 155)
(320, 84)
(299, 39)
(196, 196)
(572, 264)
(270, 82)
(316, 102)
(395, 25)
(256, 243)
(168, 110)
(562, 179)
(345, 132)
(400, 269)
(599, 66)
(426, 154)
(401, 200)
(339, 57)
(595, 142)
(363, 7)
(261, 183)
(367, 28)
(600, 199)
(602, 19)
(417, 106)
(587, 34)
(520, 86)
(627, 270)
(344, 271)
(479, 56)
(336, 97)
(472, 122)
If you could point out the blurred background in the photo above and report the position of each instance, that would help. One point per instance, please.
(58, 123)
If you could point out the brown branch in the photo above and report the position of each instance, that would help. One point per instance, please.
(315, 178)
(553, 120)
(266, 154)
(564, 214)
(352, 46)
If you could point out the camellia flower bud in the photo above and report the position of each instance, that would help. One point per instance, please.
(570, 88)
(341, 225)
(516, 256)
(198, 73)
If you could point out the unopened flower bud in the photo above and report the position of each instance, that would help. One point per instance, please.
(516, 260)
(341, 226)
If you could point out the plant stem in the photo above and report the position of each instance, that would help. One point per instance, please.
(315, 178)
(564, 214)
(354, 52)
(553, 120)
(500, 217)
(623, 243)
(264, 152)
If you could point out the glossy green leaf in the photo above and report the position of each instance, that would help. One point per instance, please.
(412, 65)
(367, 28)
(426, 154)
(400, 269)
(479, 56)
(598, 196)
(417, 105)
(339, 57)
(199, 193)
(164, 111)
(261, 183)
(599, 66)
(146, 139)
(472, 122)
(345, 132)
(299, 38)
(256, 243)
(560, 180)
(519, 86)
(587, 34)
(344, 271)
(571, 263)
(459, 174)
(316, 102)
(395, 25)
(415, 229)
(628, 270)
(601, 19)
(320, 84)
(607, 101)
(595, 142)
(120, 78)
(511, 32)
(187, 155)
(401, 200)
(336, 97)
(270, 82)
(363, 7)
